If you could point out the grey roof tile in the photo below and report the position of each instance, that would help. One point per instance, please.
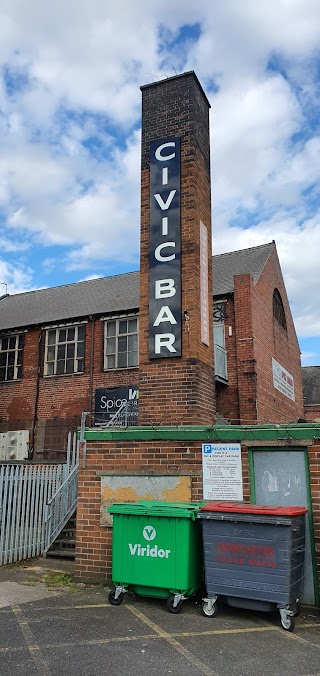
(114, 294)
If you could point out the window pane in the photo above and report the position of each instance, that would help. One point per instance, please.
(3, 358)
(19, 357)
(133, 359)
(69, 366)
(12, 343)
(51, 337)
(122, 360)
(4, 344)
(123, 326)
(81, 332)
(70, 351)
(132, 325)
(60, 367)
(122, 344)
(111, 345)
(111, 328)
(110, 364)
(62, 336)
(132, 342)
(50, 369)
(11, 357)
(20, 342)
(19, 373)
(80, 365)
(2, 374)
(10, 373)
(61, 352)
(80, 349)
(50, 354)
(71, 333)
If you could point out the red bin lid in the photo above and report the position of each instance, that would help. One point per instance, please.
(248, 508)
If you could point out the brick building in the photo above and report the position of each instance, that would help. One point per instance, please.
(71, 349)
(59, 352)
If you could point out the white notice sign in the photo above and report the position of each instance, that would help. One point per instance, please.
(222, 472)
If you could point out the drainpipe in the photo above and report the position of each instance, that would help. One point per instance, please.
(91, 364)
(35, 415)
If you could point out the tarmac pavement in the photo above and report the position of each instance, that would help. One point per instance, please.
(71, 630)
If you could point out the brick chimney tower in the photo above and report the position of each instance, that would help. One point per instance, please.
(176, 378)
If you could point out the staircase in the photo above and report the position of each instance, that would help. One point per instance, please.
(65, 544)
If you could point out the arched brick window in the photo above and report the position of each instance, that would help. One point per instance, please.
(278, 310)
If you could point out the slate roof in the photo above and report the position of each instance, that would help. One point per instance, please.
(311, 385)
(114, 294)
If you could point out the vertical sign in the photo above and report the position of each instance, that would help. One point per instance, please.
(165, 250)
(204, 291)
(222, 472)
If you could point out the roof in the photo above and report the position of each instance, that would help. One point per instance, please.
(246, 261)
(119, 293)
(311, 385)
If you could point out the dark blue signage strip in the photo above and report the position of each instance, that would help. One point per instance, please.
(165, 250)
(108, 401)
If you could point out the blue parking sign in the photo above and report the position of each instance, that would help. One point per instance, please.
(207, 448)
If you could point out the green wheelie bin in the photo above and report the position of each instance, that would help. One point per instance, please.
(156, 551)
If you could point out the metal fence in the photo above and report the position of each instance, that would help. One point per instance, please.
(26, 491)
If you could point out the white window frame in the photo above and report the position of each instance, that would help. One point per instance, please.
(8, 351)
(117, 320)
(54, 346)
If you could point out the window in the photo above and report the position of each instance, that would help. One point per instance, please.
(64, 350)
(121, 343)
(10, 357)
(278, 309)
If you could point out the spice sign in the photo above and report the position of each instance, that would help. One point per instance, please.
(222, 472)
(165, 250)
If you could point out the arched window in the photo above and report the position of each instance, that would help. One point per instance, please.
(278, 310)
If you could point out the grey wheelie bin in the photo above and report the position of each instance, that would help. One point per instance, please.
(254, 557)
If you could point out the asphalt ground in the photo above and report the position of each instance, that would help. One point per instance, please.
(71, 630)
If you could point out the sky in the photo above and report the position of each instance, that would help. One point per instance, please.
(70, 115)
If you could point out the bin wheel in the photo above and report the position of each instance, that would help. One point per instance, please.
(288, 623)
(174, 609)
(115, 601)
(209, 612)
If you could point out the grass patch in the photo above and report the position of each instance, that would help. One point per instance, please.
(60, 580)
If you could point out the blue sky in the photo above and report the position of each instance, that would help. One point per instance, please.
(70, 108)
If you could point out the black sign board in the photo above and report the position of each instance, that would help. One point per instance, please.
(108, 401)
(165, 250)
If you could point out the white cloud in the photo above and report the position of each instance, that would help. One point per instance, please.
(70, 108)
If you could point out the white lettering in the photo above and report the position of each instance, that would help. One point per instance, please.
(165, 205)
(165, 225)
(164, 315)
(164, 175)
(133, 549)
(157, 253)
(154, 552)
(164, 288)
(164, 340)
(158, 154)
(133, 394)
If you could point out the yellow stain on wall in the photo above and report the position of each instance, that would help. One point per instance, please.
(122, 492)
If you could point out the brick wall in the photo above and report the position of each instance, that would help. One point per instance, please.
(54, 404)
(178, 390)
(94, 542)
(256, 338)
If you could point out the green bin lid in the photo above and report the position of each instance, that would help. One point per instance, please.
(187, 510)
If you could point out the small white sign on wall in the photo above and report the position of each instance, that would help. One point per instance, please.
(222, 472)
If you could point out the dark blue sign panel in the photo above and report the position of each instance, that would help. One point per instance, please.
(108, 401)
(165, 250)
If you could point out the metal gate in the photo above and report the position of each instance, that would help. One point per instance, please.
(282, 478)
(28, 495)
